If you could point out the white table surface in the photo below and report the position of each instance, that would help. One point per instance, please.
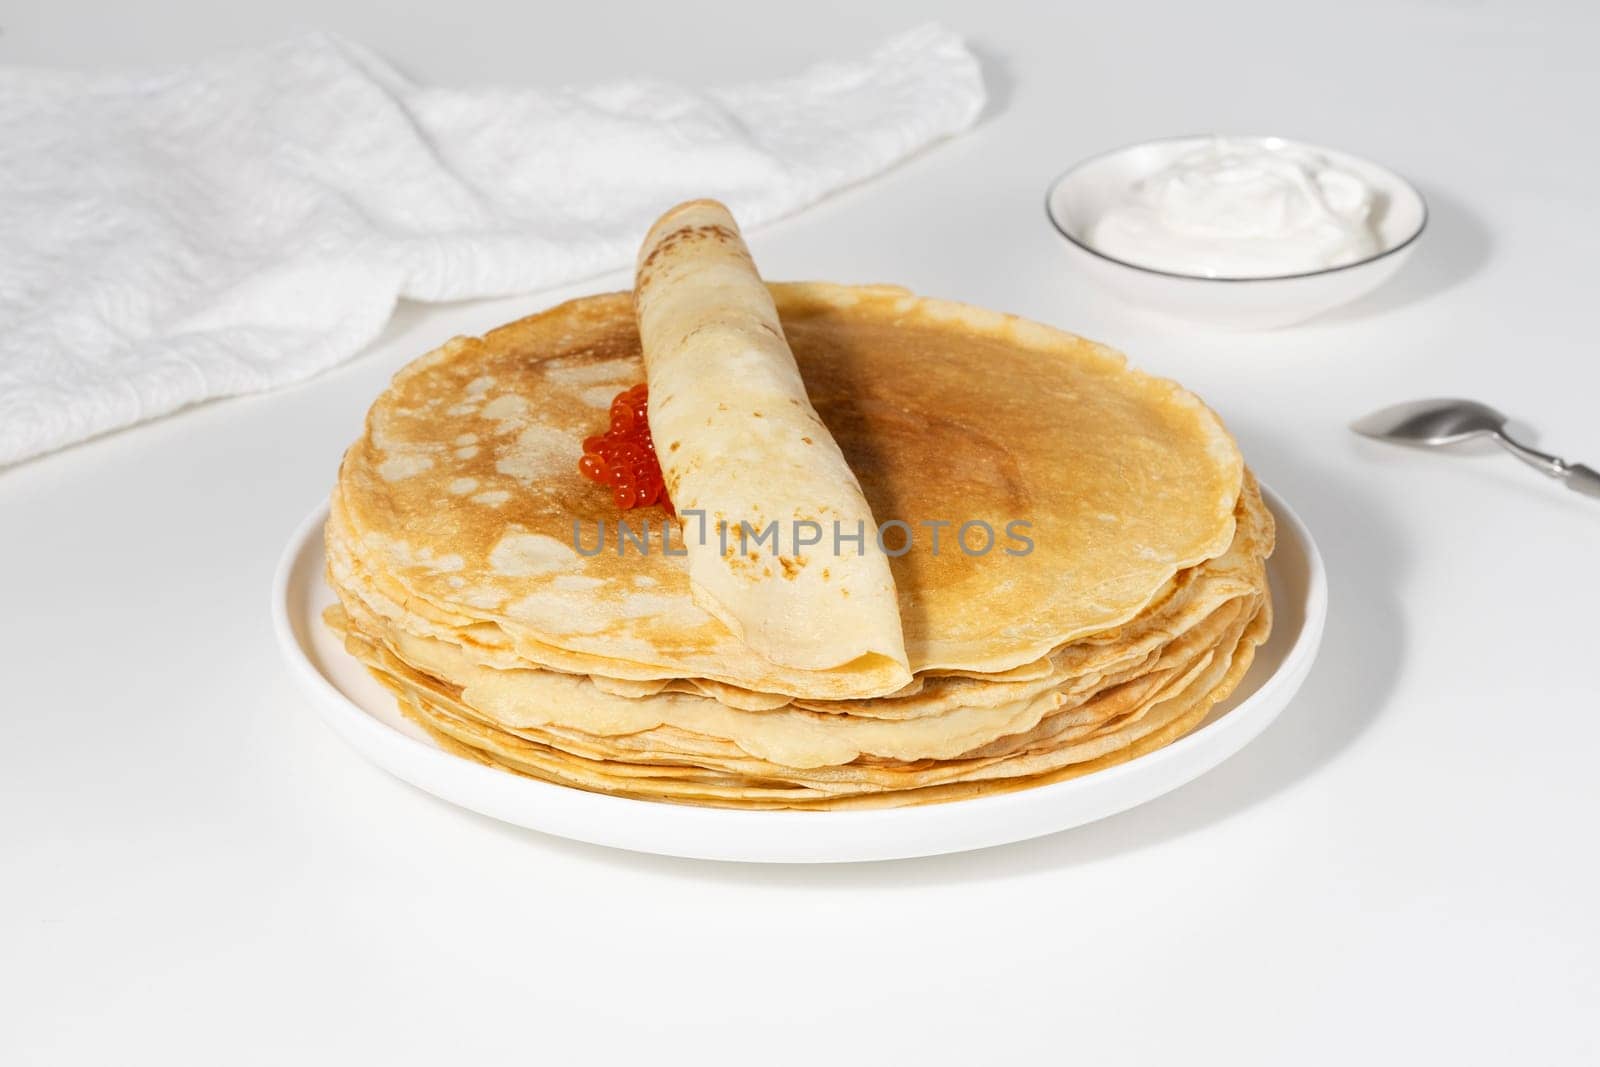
(1402, 869)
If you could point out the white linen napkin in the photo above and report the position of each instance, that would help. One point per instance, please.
(245, 222)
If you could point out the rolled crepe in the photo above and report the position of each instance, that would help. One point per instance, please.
(742, 448)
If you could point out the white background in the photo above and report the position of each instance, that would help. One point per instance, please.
(1402, 869)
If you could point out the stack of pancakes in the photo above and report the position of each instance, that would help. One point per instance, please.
(462, 540)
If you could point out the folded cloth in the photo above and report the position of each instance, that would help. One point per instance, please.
(249, 221)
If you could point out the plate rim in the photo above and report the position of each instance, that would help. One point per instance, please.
(790, 836)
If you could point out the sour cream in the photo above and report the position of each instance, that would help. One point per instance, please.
(1242, 209)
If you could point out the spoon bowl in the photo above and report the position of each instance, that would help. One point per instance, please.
(1432, 423)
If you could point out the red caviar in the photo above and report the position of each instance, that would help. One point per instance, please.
(624, 457)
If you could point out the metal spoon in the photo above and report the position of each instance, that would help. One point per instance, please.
(1431, 423)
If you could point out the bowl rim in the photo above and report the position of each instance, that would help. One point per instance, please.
(1056, 182)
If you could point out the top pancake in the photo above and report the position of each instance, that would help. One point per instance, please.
(464, 489)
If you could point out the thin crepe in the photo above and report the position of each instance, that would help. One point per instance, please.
(768, 496)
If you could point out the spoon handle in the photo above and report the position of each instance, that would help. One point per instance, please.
(1574, 476)
(1581, 479)
(1543, 462)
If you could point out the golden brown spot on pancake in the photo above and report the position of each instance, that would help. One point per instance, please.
(792, 565)
(683, 234)
(808, 440)
(538, 454)
(882, 431)
(674, 446)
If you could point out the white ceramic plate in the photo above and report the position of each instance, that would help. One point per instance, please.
(364, 714)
